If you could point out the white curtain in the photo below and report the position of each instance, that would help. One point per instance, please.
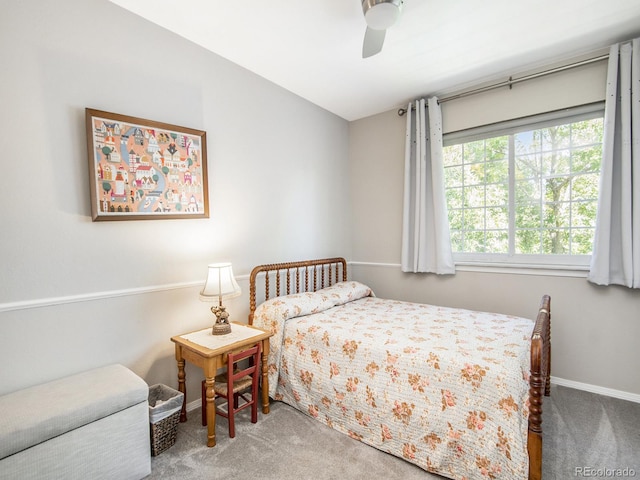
(616, 250)
(426, 244)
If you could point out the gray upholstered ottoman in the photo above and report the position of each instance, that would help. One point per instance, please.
(93, 425)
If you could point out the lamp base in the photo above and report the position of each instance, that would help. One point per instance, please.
(221, 329)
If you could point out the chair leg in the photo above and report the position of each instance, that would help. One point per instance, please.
(232, 422)
(254, 405)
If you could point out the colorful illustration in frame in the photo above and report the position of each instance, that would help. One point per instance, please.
(140, 169)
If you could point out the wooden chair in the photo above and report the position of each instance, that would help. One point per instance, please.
(234, 387)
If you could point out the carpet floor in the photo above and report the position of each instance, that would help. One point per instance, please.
(585, 435)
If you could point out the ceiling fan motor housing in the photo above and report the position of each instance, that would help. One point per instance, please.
(381, 14)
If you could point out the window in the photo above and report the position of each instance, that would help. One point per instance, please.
(525, 191)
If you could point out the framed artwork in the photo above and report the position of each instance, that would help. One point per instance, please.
(141, 170)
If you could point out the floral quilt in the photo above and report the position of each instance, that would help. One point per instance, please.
(444, 388)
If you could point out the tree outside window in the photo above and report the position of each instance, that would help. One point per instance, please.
(528, 192)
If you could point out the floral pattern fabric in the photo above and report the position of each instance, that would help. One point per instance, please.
(444, 388)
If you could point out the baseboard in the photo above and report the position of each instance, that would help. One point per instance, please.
(193, 405)
(608, 392)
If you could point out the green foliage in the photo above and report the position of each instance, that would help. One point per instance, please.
(556, 180)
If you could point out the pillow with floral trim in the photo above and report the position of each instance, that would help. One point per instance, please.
(343, 292)
(294, 305)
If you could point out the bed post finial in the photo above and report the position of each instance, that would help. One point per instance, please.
(539, 384)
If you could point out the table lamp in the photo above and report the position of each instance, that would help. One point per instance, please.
(220, 284)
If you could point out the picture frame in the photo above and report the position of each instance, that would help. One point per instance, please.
(141, 169)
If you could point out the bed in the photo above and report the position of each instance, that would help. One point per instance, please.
(456, 392)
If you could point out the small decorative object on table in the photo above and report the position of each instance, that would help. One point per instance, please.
(220, 284)
(222, 326)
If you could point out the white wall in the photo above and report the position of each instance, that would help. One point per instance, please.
(76, 294)
(594, 329)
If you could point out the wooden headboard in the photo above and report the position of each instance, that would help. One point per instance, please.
(304, 276)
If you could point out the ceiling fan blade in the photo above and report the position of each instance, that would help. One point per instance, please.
(373, 41)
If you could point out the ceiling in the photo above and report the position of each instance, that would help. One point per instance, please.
(314, 48)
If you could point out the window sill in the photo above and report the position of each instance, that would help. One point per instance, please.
(576, 271)
(525, 269)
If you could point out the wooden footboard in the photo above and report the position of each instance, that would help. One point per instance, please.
(312, 275)
(539, 384)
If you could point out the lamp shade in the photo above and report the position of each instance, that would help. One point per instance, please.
(220, 283)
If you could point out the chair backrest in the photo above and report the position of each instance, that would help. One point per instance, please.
(233, 373)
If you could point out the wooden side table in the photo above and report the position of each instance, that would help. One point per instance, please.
(209, 352)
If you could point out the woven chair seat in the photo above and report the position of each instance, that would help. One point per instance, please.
(220, 384)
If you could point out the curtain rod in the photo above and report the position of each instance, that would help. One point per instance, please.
(512, 81)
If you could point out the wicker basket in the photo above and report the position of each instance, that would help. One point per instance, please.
(165, 405)
(163, 433)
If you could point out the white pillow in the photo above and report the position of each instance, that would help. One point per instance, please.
(343, 292)
(294, 305)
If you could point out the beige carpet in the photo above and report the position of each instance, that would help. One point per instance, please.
(583, 433)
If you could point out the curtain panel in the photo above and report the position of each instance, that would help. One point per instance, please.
(426, 243)
(616, 250)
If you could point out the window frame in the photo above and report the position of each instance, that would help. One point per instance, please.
(511, 127)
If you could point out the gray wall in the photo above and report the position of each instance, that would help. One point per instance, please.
(594, 329)
(76, 294)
